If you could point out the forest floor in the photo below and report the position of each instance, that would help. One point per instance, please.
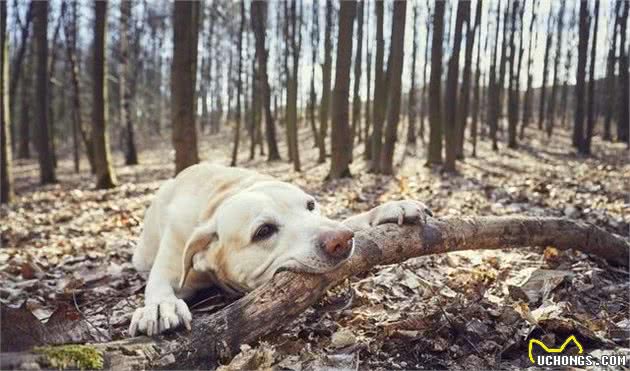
(70, 245)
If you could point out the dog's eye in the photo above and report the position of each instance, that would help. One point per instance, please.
(264, 232)
(310, 205)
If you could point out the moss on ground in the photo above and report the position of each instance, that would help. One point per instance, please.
(83, 357)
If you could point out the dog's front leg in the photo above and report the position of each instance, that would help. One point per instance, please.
(405, 211)
(163, 310)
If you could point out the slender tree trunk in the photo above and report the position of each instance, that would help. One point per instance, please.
(26, 90)
(494, 95)
(450, 95)
(502, 72)
(131, 155)
(434, 156)
(70, 32)
(591, 114)
(394, 73)
(324, 108)
(368, 105)
(258, 16)
(543, 87)
(239, 71)
(44, 152)
(551, 107)
(578, 129)
(356, 100)
(16, 68)
(52, 63)
(423, 99)
(477, 93)
(513, 83)
(611, 91)
(255, 98)
(623, 119)
(412, 100)
(294, 40)
(527, 100)
(313, 94)
(341, 152)
(380, 90)
(464, 100)
(105, 176)
(6, 175)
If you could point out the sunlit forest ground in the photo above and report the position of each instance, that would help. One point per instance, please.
(69, 243)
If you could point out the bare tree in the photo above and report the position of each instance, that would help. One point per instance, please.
(26, 92)
(543, 87)
(126, 122)
(434, 156)
(293, 37)
(527, 99)
(590, 118)
(494, 96)
(258, 16)
(611, 91)
(423, 98)
(324, 108)
(551, 107)
(105, 176)
(6, 175)
(40, 32)
(412, 101)
(464, 100)
(513, 91)
(578, 128)
(394, 77)
(623, 119)
(380, 90)
(477, 92)
(368, 107)
(340, 150)
(16, 67)
(239, 88)
(313, 94)
(450, 95)
(356, 100)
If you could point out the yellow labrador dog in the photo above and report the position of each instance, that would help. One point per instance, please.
(215, 225)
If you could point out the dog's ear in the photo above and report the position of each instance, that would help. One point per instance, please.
(201, 239)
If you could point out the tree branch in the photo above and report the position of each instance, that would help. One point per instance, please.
(218, 336)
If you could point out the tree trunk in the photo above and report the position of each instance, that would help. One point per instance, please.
(356, 100)
(501, 80)
(368, 105)
(105, 176)
(380, 90)
(611, 92)
(434, 156)
(527, 100)
(591, 114)
(313, 94)
(513, 82)
(258, 16)
(464, 100)
(494, 95)
(394, 78)
(623, 118)
(44, 152)
(423, 98)
(450, 95)
(6, 174)
(131, 155)
(52, 64)
(412, 100)
(239, 88)
(70, 33)
(292, 31)
(183, 77)
(324, 108)
(551, 107)
(578, 128)
(543, 87)
(217, 337)
(16, 68)
(476, 112)
(26, 91)
(341, 151)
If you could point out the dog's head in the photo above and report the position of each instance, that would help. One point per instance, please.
(268, 227)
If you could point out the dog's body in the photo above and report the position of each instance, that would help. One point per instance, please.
(214, 225)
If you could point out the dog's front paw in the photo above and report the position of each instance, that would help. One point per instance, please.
(154, 319)
(405, 211)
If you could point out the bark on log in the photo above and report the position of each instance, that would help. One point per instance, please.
(217, 337)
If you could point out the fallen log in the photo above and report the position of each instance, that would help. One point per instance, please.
(217, 337)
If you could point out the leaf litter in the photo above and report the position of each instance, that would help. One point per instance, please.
(67, 277)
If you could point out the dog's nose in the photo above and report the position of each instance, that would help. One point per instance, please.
(337, 244)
